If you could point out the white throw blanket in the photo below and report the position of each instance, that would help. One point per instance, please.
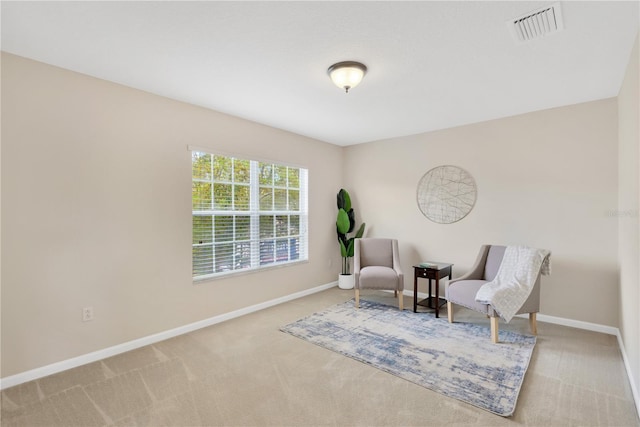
(515, 279)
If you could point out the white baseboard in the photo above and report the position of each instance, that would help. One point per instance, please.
(54, 368)
(610, 330)
(634, 389)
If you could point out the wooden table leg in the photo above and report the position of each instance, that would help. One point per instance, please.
(415, 292)
(437, 297)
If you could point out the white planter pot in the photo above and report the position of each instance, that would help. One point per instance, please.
(346, 281)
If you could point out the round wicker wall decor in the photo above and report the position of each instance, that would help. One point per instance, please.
(446, 194)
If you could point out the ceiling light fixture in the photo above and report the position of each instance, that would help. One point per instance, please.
(347, 74)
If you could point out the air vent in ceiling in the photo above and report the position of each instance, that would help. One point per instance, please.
(537, 23)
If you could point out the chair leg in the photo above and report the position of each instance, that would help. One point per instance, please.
(357, 298)
(533, 324)
(400, 300)
(450, 311)
(494, 329)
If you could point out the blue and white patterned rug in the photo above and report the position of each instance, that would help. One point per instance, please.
(458, 360)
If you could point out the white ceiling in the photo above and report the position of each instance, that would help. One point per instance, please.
(432, 65)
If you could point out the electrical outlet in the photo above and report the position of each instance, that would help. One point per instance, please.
(87, 314)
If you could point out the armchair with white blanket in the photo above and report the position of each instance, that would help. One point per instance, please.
(503, 282)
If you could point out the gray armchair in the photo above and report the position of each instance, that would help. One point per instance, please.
(463, 290)
(376, 265)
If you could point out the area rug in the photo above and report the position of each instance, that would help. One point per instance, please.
(455, 359)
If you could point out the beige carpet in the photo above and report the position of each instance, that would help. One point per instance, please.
(245, 372)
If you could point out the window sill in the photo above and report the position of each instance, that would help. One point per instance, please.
(235, 273)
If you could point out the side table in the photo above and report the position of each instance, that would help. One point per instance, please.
(437, 271)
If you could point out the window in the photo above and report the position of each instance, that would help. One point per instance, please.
(247, 214)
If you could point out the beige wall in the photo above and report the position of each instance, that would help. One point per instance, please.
(0, 217)
(96, 212)
(546, 179)
(628, 212)
(96, 208)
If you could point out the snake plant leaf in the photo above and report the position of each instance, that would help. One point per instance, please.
(360, 231)
(352, 220)
(343, 249)
(351, 248)
(342, 222)
(344, 200)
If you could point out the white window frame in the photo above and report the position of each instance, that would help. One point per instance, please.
(255, 213)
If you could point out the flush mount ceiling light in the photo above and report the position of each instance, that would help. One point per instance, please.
(347, 74)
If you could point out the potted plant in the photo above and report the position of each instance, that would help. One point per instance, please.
(345, 223)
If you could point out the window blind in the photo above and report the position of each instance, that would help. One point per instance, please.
(247, 214)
